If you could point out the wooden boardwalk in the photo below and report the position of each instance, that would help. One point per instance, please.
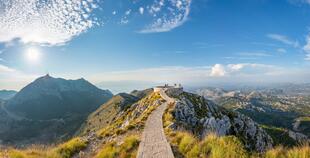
(154, 143)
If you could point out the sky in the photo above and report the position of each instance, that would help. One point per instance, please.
(125, 44)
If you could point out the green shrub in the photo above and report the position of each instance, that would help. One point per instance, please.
(194, 152)
(187, 143)
(130, 143)
(127, 149)
(108, 151)
(71, 147)
(16, 154)
(226, 146)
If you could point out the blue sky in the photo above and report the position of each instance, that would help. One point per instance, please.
(195, 42)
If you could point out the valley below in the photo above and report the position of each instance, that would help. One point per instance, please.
(282, 110)
(58, 118)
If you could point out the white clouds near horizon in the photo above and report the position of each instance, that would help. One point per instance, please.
(196, 75)
(11, 78)
(5, 69)
(217, 70)
(229, 73)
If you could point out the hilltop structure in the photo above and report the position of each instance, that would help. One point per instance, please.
(167, 86)
(175, 89)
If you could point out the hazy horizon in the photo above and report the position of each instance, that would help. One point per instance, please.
(127, 86)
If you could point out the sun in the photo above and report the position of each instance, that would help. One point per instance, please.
(33, 54)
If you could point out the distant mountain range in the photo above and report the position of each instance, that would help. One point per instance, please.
(285, 108)
(49, 108)
(7, 94)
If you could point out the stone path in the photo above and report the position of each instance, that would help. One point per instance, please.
(154, 143)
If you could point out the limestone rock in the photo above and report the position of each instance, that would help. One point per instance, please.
(299, 137)
(202, 117)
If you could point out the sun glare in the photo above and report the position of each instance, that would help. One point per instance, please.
(33, 54)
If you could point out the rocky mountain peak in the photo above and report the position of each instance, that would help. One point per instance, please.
(61, 95)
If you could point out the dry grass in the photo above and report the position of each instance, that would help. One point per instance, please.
(65, 150)
(211, 146)
(135, 122)
(128, 149)
(71, 147)
(295, 152)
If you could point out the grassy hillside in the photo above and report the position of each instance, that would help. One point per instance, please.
(119, 138)
(108, 112)
(303, 124)
(280, 136)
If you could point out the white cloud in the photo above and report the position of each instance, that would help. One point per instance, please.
(141, 10)
(179, 3)
(128, 12)
(306, 48)
(217, 70)
(13, 79)
(236, 67)
(299, 1)
(124, 21)
(5, 69)
(252, 66)
(281, 50)
(48, 22)
(168, 15)
(283, 39)
(254, 54)
(307, 57)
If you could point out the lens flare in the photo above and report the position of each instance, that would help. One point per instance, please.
(33, 55)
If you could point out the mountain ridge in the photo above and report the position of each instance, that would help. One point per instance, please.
(51, 108)
(52, 93)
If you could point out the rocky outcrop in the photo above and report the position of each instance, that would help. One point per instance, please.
(194, 113)
(299, 137)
